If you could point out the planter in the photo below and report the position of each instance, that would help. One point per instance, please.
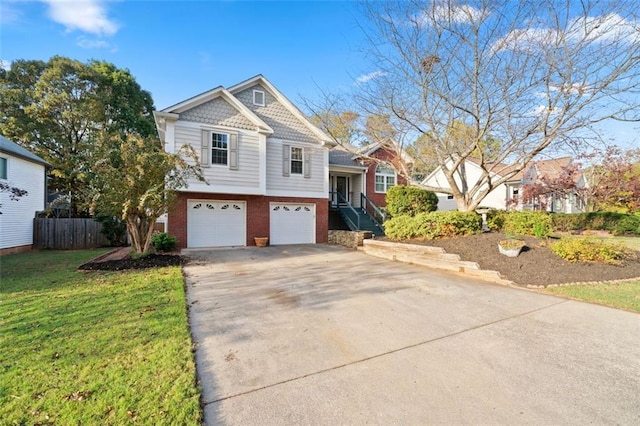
(261, 241)
(511, 248)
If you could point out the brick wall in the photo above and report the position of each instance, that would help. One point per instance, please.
(257, 214)
(383, 155)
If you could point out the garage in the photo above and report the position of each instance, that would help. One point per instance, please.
(292, 223)
(215, 223)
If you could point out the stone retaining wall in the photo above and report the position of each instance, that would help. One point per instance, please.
(351, 239)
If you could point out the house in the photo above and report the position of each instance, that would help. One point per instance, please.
(266, 168)
(359, 180)
(508, 195)
(25, 170)
(498, 198)
(561, 173)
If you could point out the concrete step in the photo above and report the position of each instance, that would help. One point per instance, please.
(430, 257)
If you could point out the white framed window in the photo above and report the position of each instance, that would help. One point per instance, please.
(3, 168)
(385, 178)
(219, 148)
(297, 160)
(258, 97)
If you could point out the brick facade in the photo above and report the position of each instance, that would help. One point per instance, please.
(382, 154)
(257, 214)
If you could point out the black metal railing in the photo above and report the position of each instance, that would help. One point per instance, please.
(349, 214)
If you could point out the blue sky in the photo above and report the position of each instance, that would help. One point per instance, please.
(177, 49)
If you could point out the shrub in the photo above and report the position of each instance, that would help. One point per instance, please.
(528, 223)
(495, 219)
(163, 242)
(628, 225)
(114, 229)
(591, 250)
(564, 222)
(410, 200)
(433, 225)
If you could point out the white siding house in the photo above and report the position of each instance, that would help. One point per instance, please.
(27, 171)
(265, 165)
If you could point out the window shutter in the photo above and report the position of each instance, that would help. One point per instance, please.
(205, 149)
(286, 161)
(306, 166)
(233, 151)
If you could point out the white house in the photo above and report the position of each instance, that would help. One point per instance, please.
(498, 198)
(266, 167)
(25, 170)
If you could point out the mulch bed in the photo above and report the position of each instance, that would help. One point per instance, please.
(120, 259)
(536, 265)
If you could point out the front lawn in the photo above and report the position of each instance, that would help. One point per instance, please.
(93, 348)
(625, 295)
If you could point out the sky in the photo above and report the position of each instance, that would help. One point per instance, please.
(178, 49)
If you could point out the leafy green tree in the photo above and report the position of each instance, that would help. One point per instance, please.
(57, 108)
(135, 179)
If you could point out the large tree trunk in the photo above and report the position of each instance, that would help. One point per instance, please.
(140, 231)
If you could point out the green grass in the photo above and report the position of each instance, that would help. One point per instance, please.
(625, 295)
(95, 347)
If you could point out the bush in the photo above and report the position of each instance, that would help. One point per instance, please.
(628, 225)
(410, 200)
(591, 250)
(433, 225)
(495, 219)
(114, 229)
(617, 223)
(163, 242)
(528, 223)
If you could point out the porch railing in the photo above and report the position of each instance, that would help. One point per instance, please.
(349, 213)
(369, 207)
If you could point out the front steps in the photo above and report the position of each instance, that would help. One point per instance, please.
(431, 257)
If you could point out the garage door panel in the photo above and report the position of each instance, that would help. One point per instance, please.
(216, 223)
(292, 223)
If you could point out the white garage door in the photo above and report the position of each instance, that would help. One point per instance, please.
(292, 223)
(216, 223)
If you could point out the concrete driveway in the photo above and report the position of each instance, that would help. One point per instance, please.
(325, 335)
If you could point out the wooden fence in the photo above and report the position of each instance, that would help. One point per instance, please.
(67, 234)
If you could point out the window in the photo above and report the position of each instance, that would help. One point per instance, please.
(296, 160)
(219, 148)
(449, 197)
(3, 168)
(385, 178)
(258, 97)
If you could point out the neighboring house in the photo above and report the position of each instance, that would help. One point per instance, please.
(27, 171)
(508, 195)
(565, 201)
(266, 167)
(498, 198)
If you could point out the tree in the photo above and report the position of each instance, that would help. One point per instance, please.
(136, 180)
(14, 192)
(529, 75)
(614, 183)
(558, 186)
(341, 126)
(57, 110)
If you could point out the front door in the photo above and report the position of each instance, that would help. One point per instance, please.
(342, 187)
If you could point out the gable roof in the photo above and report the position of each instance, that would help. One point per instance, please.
(367, 150)
(214, 93)
(552, 168)
(13, 148)
(282, 99)
(340, 157)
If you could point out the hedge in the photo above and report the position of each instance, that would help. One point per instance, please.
(433, 225)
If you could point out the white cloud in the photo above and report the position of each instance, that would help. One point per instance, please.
(5, 65)
(452, 14)
(608, 28)
(88, 16)
(368, 77)
(8, 14)
(87, 43)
